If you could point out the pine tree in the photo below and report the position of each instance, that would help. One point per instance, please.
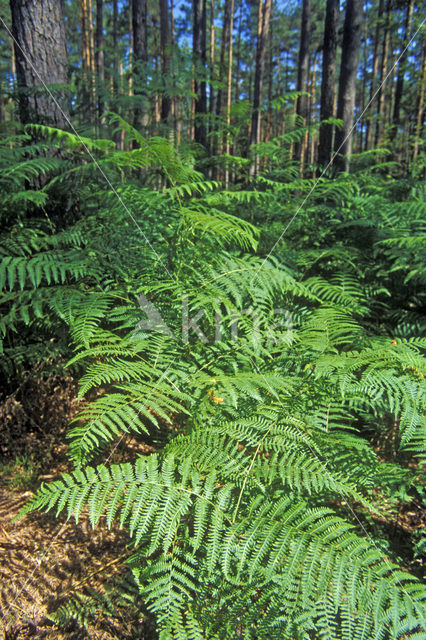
(328, 81)
(41, 59)
(347, 81)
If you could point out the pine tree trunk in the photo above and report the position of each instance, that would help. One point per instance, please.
(312, 102)
(200, 59)
(270, 76)
(165, 56)
(211, 61)
(225, 27)
(175, 99)
(140, 58)
(238, 62)
(262, 34)
(347, 81)
(369, 135)
(2, 104)
(92, 63)
(363, 70)
(41, 57)
(130, 41)
(328, 81)
(383, 71)
(86, 88)
(401, 70)
(302, 74)
(229, 87)
(115, 45)
(420, 115)
(99, 54)
(139, 18)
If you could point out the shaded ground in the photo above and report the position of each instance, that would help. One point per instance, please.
(50, 568)
(47, 565)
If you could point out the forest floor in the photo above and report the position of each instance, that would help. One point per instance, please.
(46, 562)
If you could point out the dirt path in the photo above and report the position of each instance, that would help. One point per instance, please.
(44, 561)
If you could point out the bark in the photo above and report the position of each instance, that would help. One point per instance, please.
(229, 88)
(200, 60)
(262, 34)
(420, 115)
(99, 53)
(115, 45)
(41, 57)
(401, 69)
(130, 41)
(222, 56)
(328, 81)
(238, 61)
(2, 104)
(211, 59)
(347, 81)
(176, 124)
(376, 57)
(92, 65)
(364, 70)
(140, 57)
(88, 56)
(383, 71)
(303, 78)
(270, 75)
(165, 56)
(303, 60)
(85, 53)
(312, 102)
(139, 19)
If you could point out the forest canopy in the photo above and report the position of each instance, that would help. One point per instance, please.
(212, 248)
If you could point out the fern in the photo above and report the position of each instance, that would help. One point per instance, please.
(253, 516)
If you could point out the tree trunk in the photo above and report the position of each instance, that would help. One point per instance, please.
(270, 76)
(238, 61)
(222, 56)
(87, 89)
(262, 34)
(302, 74)
(211, 62)
(41, 57)
(92, 65)
(401, 69)
(364, 71)
(140, 57)
(115, 45)
(328, 81)
(139, 17)
(165, 57)
(99, 54)
(200, 59)
(2, 104)
(383, 70)
(420, 106)
(347, 80)
(229, 88)
(312, 103)
(369, 135)
(130, 41)
(85, 54)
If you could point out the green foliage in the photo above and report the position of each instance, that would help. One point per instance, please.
(251, 517)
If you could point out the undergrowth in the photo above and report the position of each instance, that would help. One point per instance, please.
(262, 378)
